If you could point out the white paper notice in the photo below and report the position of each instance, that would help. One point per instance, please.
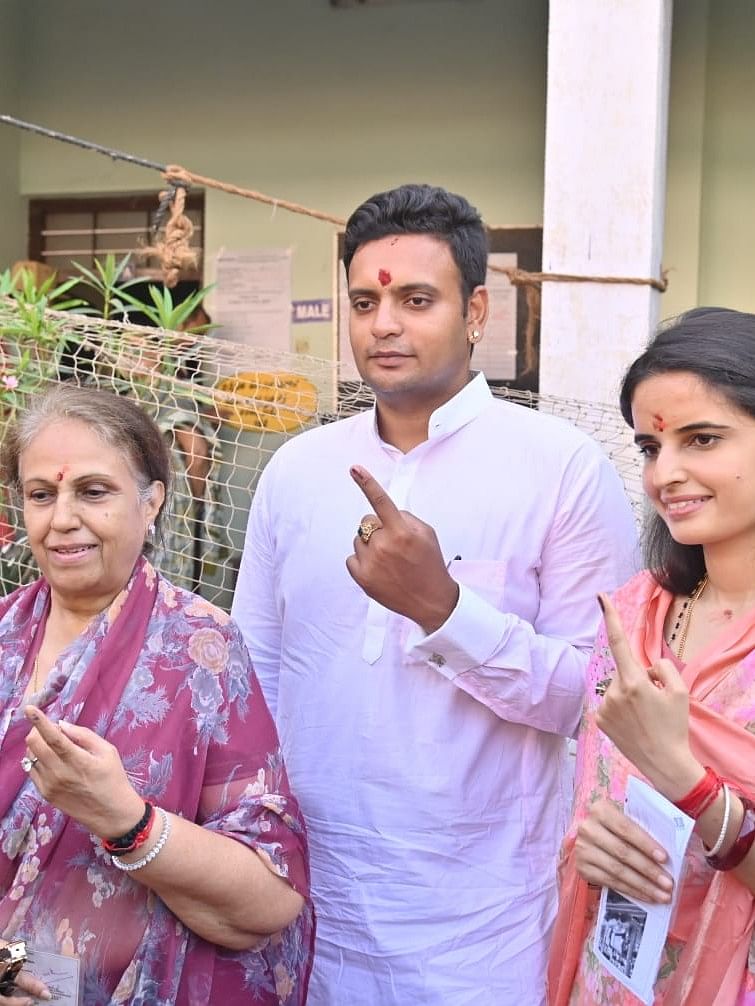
(495, 355)
(252, 298)
(343, 308)
(60, 974)
(630, 935)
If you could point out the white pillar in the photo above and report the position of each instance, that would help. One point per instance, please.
(605, 167)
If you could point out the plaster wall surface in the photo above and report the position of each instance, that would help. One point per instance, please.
(296, 99)
(326, 106)
(12, 208)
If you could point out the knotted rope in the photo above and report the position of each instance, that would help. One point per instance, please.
(171, 237)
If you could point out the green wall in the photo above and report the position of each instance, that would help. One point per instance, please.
(686, 133)
(325, 106)
(297, 99)
(727, 258)
(710, 212)
(12, 207)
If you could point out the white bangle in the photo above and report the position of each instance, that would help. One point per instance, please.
(709, 853)
(154, 851)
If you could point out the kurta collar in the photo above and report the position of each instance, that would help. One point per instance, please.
(465, 406)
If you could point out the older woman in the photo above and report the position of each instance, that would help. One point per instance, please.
(146, 826)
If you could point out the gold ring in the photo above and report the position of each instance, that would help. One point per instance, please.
(366, 530)
(601, 687)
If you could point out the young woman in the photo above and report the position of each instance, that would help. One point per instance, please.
(671, 685)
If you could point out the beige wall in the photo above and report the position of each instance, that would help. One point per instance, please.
(325, 106)
(685, 155)
(12, 207)
(710, 235)
(298, 99)
(727, 258)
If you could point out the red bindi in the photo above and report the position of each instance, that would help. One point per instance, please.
(59, 476)
(728, 613)
(384, 277)
(658, 422)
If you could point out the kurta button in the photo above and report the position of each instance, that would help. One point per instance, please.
(438, 659)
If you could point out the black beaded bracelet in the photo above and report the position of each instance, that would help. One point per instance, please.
(125, 843)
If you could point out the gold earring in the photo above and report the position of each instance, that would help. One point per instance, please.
(475, 336)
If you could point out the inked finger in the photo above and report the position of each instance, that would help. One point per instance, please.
(52, 736)
(384, 507)
(626, 665)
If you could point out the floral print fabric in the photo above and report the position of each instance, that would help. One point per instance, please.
(705, 960)
(165, 677)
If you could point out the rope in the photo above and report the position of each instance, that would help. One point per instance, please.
(171, 241)
(520, 277)
(532, 283)
(172, 246)
(175, 173)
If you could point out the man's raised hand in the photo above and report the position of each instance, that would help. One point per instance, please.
(397, 560)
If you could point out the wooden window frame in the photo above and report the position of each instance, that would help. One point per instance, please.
(145, 202)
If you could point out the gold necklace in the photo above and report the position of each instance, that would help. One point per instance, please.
(34, 685)
(694, 597)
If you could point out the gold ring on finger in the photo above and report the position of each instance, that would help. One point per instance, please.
(366, 530)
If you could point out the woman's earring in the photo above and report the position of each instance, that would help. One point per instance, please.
(151, 530)
(475, 336)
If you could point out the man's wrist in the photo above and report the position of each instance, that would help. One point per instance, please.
(436, 616)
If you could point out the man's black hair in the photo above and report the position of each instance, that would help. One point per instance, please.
(424, 209)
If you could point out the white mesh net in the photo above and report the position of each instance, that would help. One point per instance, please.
(224, 408)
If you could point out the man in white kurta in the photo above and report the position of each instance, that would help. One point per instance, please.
(430, 765)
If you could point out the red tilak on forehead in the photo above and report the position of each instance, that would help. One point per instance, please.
(384, 277)
(59, 476)
(659, 424)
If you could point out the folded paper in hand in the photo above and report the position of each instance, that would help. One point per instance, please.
(630, 935)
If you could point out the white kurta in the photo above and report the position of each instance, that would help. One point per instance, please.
(431, 769)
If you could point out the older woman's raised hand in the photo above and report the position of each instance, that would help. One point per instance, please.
(645, 712)
(612, 851)
(82, 775)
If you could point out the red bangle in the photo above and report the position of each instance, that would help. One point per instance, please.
(701, 796)
(133, 839)
(742, 843)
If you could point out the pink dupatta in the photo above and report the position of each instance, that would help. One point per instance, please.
(716, 913)
(166, 678)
